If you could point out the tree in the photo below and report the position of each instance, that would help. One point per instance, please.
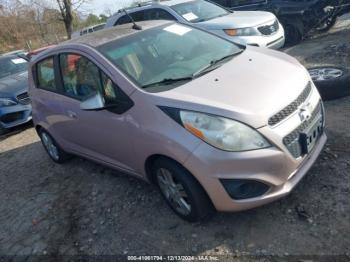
(67, 8)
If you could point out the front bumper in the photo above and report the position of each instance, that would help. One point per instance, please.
(275, 41)
(275, 166)
(12, 116)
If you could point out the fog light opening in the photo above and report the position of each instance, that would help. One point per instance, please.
(243, 189)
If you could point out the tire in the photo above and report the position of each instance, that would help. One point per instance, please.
(3, 130)
(293, 34)
(200, 206)
(329, 87)
(55, 152)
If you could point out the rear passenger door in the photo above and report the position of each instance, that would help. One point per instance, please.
(45, 99)
(103, 134)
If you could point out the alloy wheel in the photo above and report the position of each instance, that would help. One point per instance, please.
(173, 191)
(50, 146)
(326, 73)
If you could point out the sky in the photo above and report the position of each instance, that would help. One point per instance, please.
(101, 6)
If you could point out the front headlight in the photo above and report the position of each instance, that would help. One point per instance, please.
(249, 31)
(7, 102)
(222, 133)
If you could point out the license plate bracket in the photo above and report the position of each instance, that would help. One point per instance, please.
(309, 136)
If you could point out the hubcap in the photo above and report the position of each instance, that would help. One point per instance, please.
(50, 146)
(327, 73)
(173, 191)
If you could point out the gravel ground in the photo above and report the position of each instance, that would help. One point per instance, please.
(84, 208)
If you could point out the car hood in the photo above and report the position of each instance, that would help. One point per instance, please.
(238, 19)
(250, 88)
(13, 85)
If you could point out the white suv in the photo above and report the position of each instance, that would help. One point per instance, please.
(244, 27)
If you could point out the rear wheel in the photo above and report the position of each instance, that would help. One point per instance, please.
(181, 191)
(52, 148)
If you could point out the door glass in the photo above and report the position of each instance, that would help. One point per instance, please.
(46, 74)
(158, 14)
(81, 77)
(136, 16)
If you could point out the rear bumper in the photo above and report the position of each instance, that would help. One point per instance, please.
(12, 116)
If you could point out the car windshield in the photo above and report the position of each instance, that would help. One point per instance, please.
(165, 57)
(12, 65)
(199, 11)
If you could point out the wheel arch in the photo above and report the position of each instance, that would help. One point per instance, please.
(150, 177)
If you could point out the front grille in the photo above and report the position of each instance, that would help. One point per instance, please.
(269, 29)
(292, 107)
(11, 117)
(291, 141)
(23, 99)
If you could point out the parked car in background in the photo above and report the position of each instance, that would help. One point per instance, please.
(247, 28)
(298, 17)
(200, 116)
(15, 108)
(88, 30)
(38, 51)
(15, 52)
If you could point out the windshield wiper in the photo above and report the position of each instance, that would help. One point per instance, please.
(168, 81)
(213, 63)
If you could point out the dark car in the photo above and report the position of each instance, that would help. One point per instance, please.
(298, 17)
(15, 108)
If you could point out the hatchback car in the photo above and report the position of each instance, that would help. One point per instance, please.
(15, 108)
(203, 118)
(248, 27)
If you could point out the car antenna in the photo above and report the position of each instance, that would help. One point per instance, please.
(135, 26)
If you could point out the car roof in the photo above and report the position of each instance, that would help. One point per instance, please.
(107, 35)
(174, 2)
(145, 5)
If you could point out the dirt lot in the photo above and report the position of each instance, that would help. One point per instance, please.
(84, 208)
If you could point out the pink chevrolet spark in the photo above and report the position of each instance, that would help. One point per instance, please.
(215, 125)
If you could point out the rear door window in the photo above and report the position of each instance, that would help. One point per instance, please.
(158, 14)
(46, 74)
(136, 16)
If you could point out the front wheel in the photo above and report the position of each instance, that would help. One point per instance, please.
(293, 34)
(57, 154)
(181, 191)
(3, 130)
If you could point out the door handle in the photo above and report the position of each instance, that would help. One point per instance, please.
(71, 114)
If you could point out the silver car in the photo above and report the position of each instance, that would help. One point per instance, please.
(254, 28)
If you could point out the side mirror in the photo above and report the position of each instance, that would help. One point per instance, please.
(94, 102)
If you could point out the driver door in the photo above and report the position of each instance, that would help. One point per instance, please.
(97, 134)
